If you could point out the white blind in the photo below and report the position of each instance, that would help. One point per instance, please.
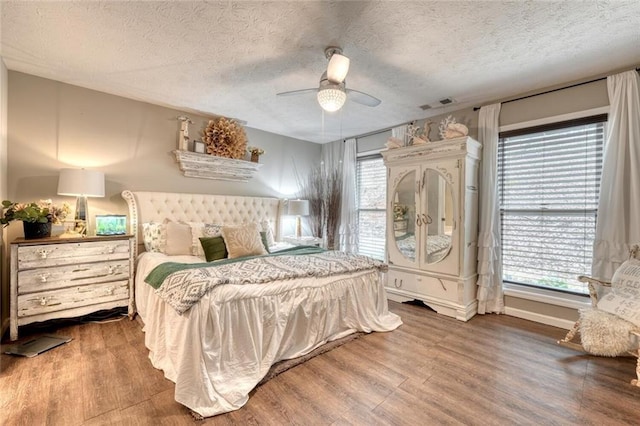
(372, 189)
(549, 183)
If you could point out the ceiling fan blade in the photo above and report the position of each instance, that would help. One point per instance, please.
(363, 98)
(297, 92)
(338, 68)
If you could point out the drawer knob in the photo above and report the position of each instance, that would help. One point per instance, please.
(111, 250)
(109, 291)
(114, 269)
(43, 278)
(43, 301)
(43, 253)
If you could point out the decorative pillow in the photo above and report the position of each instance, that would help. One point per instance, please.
(199, 229)
(243, 240)
(263, 237)
(213, 248)
(179, 241)
(625, 307)
(604, 334)
(626, 280)
(154, 236)
(265, 227)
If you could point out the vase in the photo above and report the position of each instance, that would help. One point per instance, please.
(255, 157)
(35, 230)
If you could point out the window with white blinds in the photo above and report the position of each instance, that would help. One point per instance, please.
(372, 218)
(549, 184)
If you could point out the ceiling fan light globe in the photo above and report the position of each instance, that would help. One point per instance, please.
(338, 68)
(331, 100)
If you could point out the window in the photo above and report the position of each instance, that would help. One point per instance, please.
(549, 183)
(372, 195)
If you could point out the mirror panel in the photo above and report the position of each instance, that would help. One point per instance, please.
(439, 216)
(404, 215)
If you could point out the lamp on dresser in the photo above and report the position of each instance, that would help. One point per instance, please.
(81, 183)
(298, 208)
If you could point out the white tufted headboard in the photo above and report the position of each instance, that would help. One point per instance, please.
(223, 209)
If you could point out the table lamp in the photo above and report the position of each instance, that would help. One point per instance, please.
(298, 208)
(81, 183)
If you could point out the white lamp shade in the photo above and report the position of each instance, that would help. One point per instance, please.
(298, 208)
(338, 68)
(331, 99)
(81, 182)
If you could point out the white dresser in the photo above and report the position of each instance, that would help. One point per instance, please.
(64, 278)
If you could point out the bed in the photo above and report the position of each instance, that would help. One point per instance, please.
(221, 346)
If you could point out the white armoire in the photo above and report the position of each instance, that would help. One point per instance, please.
(432, 225)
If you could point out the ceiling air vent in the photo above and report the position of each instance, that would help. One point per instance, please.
(446, 101)
(425, 107)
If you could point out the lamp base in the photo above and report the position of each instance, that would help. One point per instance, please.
(298, 227)
(82, 216)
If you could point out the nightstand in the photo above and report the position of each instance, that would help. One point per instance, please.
(64, 278)
(303, 241)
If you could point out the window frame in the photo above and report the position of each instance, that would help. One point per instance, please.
(555, 296)
(368, 156)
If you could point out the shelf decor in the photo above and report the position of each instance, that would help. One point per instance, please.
(225, 138)
(207, 166)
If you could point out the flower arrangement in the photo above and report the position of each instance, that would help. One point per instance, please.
(43, 211)
(399, 211)
(225, 138)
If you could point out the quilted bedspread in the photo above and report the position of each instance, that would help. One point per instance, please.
(183, 288)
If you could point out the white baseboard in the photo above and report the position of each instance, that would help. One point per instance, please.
(543, 319)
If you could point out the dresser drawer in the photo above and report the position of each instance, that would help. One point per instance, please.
(57, 277)
(422, 285)
(34, 256)
(402, 281)
(72, 297)
(437, 287)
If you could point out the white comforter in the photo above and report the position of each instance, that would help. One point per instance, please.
(218, 350)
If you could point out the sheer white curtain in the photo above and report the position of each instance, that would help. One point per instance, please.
(618, 223)
(349, 208)
(490, 295)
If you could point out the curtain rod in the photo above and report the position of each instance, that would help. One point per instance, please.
(551, 91)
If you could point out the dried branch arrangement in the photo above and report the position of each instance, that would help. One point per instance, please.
(225, 138)
(323, 190)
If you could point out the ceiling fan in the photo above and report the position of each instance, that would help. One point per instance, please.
(332, 91)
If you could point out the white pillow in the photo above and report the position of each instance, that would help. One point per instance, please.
(626, 279)
(621, 306)
(154, 236)
(243, 240)
(179, 241)
(265, 227)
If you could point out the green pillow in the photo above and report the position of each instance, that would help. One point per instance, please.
(263, 236)
(214, 248)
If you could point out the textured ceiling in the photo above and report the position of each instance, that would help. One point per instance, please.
(230, 58)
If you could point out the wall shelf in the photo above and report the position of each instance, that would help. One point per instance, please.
(207, 166)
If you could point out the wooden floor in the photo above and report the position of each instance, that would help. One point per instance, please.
(493, 370)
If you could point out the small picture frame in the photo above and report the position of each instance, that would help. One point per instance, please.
(198, 146)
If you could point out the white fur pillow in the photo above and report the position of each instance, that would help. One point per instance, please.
(243, 240)
(604, 334)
